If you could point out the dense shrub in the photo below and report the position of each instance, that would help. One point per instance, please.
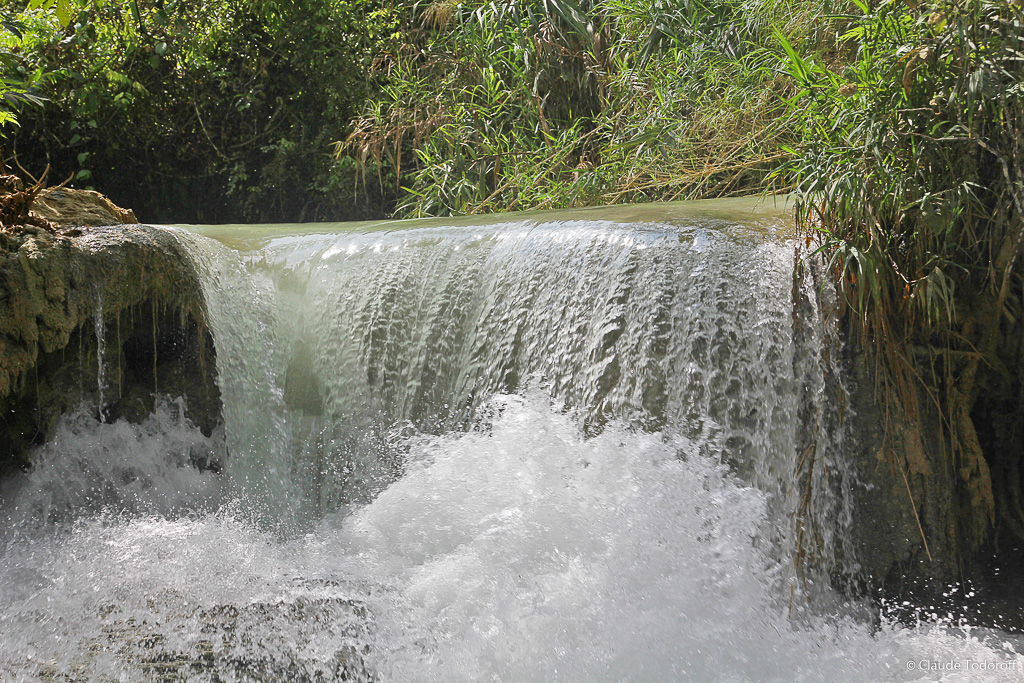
(911, 173)
(217, 111)
(494, 107)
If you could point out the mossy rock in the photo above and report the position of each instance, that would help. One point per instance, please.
(133, 288)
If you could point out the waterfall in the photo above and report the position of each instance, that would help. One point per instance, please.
(346, 337)
(101, 374)
(592, 445)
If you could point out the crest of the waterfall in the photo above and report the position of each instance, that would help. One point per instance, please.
(332, 346)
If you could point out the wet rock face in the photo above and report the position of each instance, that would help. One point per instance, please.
(904, 493)
(912, 516)
(112, 319)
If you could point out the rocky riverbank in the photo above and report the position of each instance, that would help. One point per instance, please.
(109, 317)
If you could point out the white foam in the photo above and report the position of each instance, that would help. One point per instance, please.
(527, 553)
(516, 553)
(88, 466)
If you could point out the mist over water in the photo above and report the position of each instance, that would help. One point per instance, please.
(535, 450)
(89, 467)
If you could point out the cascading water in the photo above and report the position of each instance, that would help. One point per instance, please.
(547, 448)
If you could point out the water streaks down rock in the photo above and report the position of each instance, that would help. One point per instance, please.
(111, 318)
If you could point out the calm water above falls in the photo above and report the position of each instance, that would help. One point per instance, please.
(526, 448)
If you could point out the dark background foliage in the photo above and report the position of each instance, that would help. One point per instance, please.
(221, 112)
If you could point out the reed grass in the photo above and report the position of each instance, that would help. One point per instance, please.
(489, 107)
(909, 179)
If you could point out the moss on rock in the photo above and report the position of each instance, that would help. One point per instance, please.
(128, 294)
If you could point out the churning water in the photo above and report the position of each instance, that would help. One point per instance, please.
(542, 448)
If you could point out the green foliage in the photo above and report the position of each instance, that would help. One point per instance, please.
(20, 91)
(910, 168)
(495, 107)
(911, 173)
(225, 108)
(447, 107)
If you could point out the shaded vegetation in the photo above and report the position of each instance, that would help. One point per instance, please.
(226, 110)
(910, 174)
(193, 111)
